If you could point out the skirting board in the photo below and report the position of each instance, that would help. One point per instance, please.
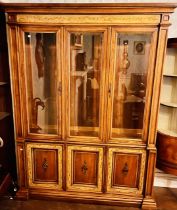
(164, 180)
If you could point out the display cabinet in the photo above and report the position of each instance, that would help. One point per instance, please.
(86, 82)
(167, 127)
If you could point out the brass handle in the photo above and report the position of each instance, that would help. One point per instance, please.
(125, 169)
(84, 168)
(45, 164)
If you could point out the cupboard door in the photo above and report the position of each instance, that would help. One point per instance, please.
(84, 168)
(132, 72)
(44, 166)
(125, 170)
(86, 64)
(42, 57)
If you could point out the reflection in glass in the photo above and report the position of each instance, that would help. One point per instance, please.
(130, 84)
(85, 73)
(40, 57)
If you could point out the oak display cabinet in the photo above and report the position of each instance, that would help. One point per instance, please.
(86, 83)
(167, 126)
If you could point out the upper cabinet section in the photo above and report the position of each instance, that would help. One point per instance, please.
(81, 72)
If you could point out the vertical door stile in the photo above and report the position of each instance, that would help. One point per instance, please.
(103, 93)
(151, 72)
(65, 84)
(110, 81)
(22, 80)
(59, 55)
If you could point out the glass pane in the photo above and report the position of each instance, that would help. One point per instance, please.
(130, 84)
(85, 74)
(41, 73)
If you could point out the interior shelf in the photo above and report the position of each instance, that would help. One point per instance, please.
(169, 104)
(168, 132)
(170, 75)
(4, 115)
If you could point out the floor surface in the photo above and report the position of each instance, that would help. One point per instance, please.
(166, 199)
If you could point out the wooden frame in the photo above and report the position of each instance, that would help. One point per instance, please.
(82, 29)
(109, 19)
(150, 72)
(30, 166)
(23, 80)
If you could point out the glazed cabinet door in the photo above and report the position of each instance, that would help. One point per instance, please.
(85, 73)
(130, 82)
(41, 75)
(44, 163)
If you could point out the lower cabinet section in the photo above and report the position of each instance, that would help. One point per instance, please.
(126, 170)
(84, 168)
(44, 163)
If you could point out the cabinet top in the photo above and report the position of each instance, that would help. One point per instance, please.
(93, 8)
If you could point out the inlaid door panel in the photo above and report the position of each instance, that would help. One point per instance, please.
(84, 168)
(44, 165)
(125, 170)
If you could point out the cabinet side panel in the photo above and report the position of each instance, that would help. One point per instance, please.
(12, 42)
(21, 165)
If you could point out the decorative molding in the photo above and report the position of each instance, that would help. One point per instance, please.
(121, 189)
(30, 160)
(88, 19)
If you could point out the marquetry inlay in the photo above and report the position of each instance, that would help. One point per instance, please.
(89, 19)
(30, 162)
(84, 187)
(121, 189)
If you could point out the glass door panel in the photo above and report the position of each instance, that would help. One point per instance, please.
(132, 60)
(85, 75)
(41, 79)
